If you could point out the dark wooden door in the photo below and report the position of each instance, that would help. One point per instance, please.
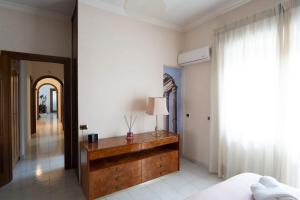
(14, 112)
(74, 92)
(5, 139)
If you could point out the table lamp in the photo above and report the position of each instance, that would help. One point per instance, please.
(157, 106)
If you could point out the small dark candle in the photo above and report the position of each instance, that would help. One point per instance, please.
(93, 137)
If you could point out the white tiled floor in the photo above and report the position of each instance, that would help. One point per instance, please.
(42, 174)
(177, 186)
(45, 149)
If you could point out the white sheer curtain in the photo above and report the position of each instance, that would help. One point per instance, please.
(256, 96)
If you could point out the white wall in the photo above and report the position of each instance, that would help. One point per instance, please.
(196, 81)
(23, 111)
(120, 64)
(29, 33)
(122, 61)
(39, 69)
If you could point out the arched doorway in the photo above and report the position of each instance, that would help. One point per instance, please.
(35, 97)
(47, 99)
(170, 90)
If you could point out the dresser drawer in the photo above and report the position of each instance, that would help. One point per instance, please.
(112, 179)
(160, 142)
(123, 182)
(128, 169)
(159, 165)
(161, 159)
(101, 182)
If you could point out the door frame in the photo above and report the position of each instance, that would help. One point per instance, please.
(14, 119)
(70, 85)
(5, 124)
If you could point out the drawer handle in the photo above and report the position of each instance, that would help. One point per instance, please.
(117, 178)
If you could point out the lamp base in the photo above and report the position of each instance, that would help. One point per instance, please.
(157, 134)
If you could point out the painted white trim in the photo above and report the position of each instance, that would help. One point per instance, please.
(216, 13)
(33, 10)
(120, 11)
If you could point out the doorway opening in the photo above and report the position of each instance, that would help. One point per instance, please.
(47, 99)
(170, 89)
(47, 96)
(39, 135)
(41, 125)
(172, 92)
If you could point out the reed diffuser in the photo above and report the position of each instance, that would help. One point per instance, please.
(130, 122)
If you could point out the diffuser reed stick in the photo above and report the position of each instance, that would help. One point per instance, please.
(130, 121)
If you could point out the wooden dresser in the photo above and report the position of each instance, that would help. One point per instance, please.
(113, 164)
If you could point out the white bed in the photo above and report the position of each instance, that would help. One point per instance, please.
(235, 188)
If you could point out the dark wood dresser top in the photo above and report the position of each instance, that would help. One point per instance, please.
(141, 141)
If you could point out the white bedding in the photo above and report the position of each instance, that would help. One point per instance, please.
(235, 188)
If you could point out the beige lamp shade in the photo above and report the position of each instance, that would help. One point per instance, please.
(157, 106)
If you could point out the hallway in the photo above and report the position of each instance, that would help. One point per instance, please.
(46, 148)
(41, 174)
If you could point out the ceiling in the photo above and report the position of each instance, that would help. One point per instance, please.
(61, 7)
(180, 14)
